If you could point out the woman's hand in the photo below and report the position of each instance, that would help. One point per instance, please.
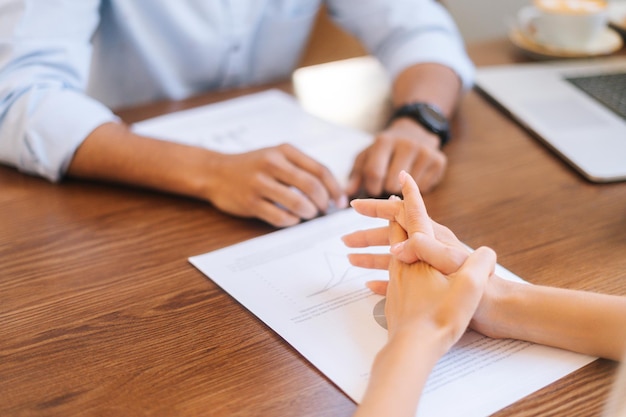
(422, 299)
(426, 240)
(427, 312)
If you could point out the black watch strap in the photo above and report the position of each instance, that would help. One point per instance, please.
(427, 115)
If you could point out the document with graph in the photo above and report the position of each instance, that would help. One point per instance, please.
(300, 283)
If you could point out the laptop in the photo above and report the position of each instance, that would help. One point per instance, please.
(577, 108)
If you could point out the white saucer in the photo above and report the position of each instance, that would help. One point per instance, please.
(606, 43)
(617, 15)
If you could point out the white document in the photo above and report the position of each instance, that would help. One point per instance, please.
(300, 283)
(257, 121)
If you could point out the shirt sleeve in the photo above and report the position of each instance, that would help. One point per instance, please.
(402, 33)
(45, 52)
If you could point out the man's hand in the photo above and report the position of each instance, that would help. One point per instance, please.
(404, 145)
(280, 185)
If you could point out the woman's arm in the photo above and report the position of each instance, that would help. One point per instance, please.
(580, 321)
(399, 374)
(427, 313)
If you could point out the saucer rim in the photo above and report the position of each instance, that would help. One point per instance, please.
(617, 15)
(520, 39)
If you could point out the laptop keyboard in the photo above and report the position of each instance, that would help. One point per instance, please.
(608, 89)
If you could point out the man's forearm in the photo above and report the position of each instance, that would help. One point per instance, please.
(431, 83)
(112, 152)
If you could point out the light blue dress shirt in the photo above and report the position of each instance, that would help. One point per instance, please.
(65, 63)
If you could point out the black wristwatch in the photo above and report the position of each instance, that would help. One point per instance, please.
(427, 115)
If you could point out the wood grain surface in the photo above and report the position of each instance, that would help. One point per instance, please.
(102, 315)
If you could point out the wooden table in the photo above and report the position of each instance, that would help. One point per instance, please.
(102, 315)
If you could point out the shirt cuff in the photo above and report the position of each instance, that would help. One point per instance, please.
(435, 47)
(55, 129)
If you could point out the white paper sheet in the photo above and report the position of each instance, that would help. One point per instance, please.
(300, 283)
(257, 121)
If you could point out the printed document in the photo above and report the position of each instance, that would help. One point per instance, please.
(300, 283)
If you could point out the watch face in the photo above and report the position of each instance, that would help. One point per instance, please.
(434, 116)
(428, 116)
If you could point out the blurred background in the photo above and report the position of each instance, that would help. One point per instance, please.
(484, 19)
(478, 20)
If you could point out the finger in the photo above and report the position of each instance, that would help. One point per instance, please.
(376, 164)
(429, 169)
(420, 165)
(378, 287)
(275, 215)
(396, 233)
(288, 198)
(365, 238)
(416, 216)
(402, 159)
(279, 181)
(370, 260)
(391, 209)
(421, 247)
(313, 179)
(355, 179)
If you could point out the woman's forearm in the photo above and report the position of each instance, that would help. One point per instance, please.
(399, 374)
(580, 321)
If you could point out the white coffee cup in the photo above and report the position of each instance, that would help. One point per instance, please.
(565, 24)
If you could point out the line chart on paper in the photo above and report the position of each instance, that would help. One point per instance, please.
(340, 271)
